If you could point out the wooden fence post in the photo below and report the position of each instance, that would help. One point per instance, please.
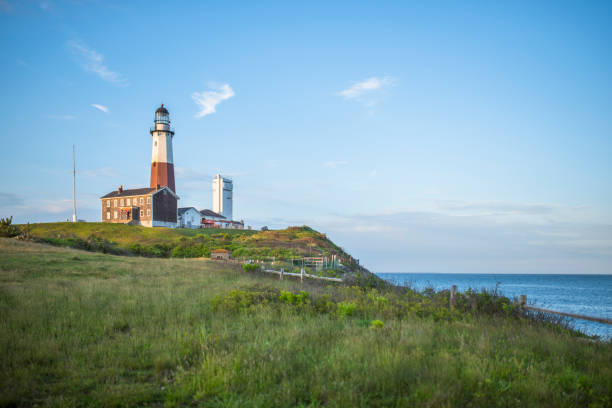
(302, 275)
(281, 273)
(453, 292)
(522, 301)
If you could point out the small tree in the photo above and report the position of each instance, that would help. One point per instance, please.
(7, 229)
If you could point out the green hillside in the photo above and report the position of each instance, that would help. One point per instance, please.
(90, 329)
(293, 242)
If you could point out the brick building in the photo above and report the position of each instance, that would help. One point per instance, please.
(149, 207)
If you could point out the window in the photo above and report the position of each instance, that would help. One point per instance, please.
(128, 202)
(121, 202)
(148, 212)
(108, 214)
(115, 203)
(107, 203)
(149, 200)
(142, 213)
(141, 200)
(115, 214)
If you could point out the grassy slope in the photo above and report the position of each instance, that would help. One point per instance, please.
(293, 241)
(81, 328)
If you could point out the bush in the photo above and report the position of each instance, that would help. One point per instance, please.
(7, 229)
(346, 309)
(241, 300)
(251, 267)
(377, 324)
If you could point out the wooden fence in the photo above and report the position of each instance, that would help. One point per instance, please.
(300, 275)
(522, 302)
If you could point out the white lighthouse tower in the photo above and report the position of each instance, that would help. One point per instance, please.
(162, 163)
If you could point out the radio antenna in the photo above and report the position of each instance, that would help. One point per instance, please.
(74, 214)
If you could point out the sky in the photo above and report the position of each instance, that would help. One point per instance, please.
(450, 137)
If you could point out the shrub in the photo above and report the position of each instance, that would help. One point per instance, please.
(377, 324)
(286, 297)
(346, 309)
(251, 267)
(243, 299)
(7, 229)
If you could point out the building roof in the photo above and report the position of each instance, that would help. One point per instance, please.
(231, 222)
(161, 109)
(210, 213)
(220, 250)
(120, 192)
(183, 210)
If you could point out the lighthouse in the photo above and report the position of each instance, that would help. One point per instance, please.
(162, 164)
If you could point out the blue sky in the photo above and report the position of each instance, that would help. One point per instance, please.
(422, 137)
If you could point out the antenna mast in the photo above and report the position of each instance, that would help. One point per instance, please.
(74, 215)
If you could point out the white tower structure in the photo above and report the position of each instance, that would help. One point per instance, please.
(222, 196)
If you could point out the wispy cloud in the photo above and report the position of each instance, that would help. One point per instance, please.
(417, 241)
(11, 200)
(61, 117)
(207, 101)
(93, 62)
(5, 6)
(100, 107)
(335, 163)
(20, 61)
(366, 87)
(45, 5)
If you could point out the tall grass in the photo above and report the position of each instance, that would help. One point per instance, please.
(89, 329)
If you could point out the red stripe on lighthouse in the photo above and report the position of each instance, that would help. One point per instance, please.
(162, 174)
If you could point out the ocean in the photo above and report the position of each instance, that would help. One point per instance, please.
(589, 295)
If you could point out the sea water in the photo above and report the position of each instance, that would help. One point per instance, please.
(589, 295)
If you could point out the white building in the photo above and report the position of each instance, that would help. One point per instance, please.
(222, 196)
(189, 217)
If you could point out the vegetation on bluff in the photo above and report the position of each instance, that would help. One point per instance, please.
(119, 239)
(89, 329)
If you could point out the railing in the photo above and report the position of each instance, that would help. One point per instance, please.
(153, 129)
(522, 303)
(300, 275)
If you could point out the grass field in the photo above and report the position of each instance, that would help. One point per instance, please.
(89, 329)
(186, 243)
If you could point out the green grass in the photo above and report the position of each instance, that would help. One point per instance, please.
(89, 329)
(186, 243)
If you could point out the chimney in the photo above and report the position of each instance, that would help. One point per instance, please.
(120, 189)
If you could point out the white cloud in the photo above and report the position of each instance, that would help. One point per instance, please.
(335, 163)
(100, 107)
(61, 117)
(372, 174)
(366, 87)
(207, 101)
(93, 61)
